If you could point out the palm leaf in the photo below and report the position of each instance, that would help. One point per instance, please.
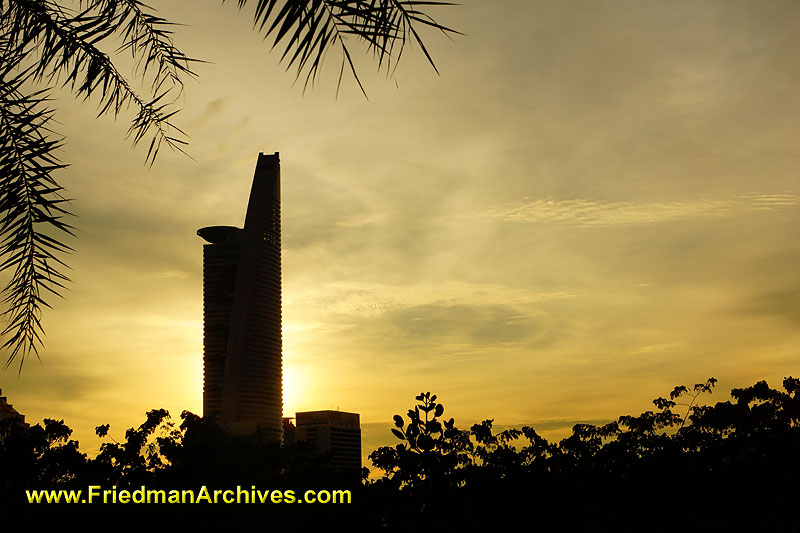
(42, 43)
(307, 29)
(30, 206)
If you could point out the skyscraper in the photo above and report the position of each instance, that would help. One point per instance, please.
(242, 377)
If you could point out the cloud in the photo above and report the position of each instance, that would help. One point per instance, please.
(784, 303)
(172, 274)
(355, 221)
(164, 321)
(373, 299)
(459, 329)
(583, 213)
(212, 110)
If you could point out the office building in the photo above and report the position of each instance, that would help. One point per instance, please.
(332, 432)
(242, 376)
(9, 417)
(7, 411)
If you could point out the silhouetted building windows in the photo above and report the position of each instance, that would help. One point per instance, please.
(332, 432)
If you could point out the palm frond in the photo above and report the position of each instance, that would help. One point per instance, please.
(64, 45)
(147, 37)
(43, 43)
(31, 206)
(307, 29)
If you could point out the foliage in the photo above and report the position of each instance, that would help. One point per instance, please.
(44, 43)
(718, 467)
(159, 456)
(142, 454)
(740, 452)
(432, 452)
(42, 454)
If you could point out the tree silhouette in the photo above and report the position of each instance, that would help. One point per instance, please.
(432, 452)
(41, 455)
(46, 42)
(731, 466)
(722, 467)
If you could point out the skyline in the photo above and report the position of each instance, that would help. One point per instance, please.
(592, 204)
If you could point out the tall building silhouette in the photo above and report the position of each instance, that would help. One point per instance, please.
(242, 376)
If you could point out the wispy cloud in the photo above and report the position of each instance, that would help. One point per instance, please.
(164, 321)
(581, 212)
(372, 299)
(171, 274)
(356, 221)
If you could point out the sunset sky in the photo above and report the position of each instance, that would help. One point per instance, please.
(594, 202)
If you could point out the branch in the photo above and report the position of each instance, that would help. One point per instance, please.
(30, 198)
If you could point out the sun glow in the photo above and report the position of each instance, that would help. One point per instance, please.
(295, 389)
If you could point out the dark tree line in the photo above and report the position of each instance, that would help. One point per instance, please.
(730, 466)
(160, 454)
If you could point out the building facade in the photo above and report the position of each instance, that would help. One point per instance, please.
(9, 417)
(7, 411)
(242, 347)
(332, 432)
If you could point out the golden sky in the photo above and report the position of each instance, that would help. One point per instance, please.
(595, 201)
